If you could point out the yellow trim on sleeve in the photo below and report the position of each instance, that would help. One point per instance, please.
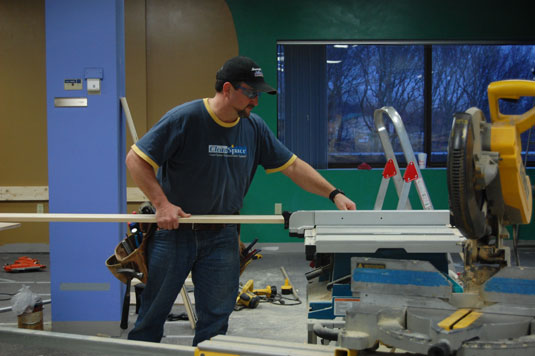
(218, 120)
(284, 166)
(144, 156)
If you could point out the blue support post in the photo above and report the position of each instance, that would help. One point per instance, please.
(86, 150)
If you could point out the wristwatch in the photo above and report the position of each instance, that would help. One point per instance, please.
(334, 193)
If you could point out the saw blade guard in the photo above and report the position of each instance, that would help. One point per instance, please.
(487, 181)
(505, 139)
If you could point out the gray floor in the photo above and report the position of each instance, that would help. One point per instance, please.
(267, 321)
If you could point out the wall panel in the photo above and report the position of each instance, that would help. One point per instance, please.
(176, 62)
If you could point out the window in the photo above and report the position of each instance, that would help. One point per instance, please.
(461, 75)
(329, 92)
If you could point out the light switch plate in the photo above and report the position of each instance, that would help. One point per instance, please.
(93, 86)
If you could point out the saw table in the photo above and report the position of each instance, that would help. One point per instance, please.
(366, 231)
(333, 238)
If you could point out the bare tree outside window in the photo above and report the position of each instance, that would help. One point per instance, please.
(364, 77)
(461, 75)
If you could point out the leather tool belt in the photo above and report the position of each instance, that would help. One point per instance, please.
(130, 253)
(200, 227)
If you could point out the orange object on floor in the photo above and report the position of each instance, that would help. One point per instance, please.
(24, 264)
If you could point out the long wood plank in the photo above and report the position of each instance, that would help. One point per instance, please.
(142, 218)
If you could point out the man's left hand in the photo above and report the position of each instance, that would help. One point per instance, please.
(344, 203)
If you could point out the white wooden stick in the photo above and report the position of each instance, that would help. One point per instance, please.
(142, 218)
(129, 119)
(6, 226)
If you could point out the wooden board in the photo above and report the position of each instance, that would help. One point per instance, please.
(142, 218)
(26, 193)
(40, 193)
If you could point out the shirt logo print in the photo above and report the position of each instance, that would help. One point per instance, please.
(227, 151)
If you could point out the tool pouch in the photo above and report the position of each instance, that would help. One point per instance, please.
(135, 260)
(128, 256)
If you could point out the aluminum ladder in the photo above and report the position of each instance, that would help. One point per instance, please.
(392, 170)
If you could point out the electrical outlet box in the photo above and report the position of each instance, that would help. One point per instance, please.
(278, 208)
(40, 208)
(93, 86)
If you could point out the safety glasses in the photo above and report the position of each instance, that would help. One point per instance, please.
(250, 93)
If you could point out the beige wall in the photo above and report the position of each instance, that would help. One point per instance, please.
(187, 43)
(172, 49)
(23, 141)
(23, 150)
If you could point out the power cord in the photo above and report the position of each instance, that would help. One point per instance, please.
(279, 299)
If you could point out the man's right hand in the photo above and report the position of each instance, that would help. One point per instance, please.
(167, 216)
(143, 175)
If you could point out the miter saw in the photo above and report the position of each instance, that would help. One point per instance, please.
(487, 182)
(410, 304)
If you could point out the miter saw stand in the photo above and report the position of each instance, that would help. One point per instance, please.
(334, 238)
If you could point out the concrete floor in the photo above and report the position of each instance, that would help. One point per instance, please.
(268, 321)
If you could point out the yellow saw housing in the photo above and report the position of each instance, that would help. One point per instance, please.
(505, 139)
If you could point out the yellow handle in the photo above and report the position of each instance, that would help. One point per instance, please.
(511, 89)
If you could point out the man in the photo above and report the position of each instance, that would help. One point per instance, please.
(206, 152)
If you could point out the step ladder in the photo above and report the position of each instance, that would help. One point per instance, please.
(392, 171)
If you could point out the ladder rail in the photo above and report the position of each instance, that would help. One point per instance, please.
(406, 146)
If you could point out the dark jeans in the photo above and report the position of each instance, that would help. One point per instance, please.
(213, 259)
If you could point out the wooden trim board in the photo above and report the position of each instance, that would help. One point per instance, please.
(142, 218)
(40, 193)
(27, 193)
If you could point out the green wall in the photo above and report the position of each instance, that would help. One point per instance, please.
(260, 25)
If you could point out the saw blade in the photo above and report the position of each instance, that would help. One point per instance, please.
(466, 196)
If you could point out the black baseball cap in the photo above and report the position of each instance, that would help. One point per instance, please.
(244, 69)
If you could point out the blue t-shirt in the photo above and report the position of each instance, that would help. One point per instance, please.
(205, 165)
